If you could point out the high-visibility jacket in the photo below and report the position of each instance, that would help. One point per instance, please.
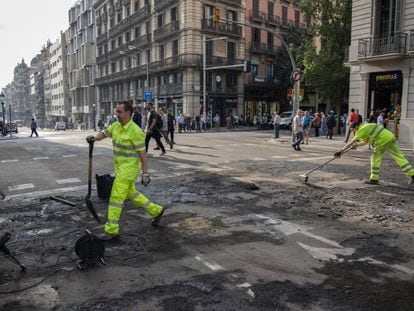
(127, 141)
(375, 134)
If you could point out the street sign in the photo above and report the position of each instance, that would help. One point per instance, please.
(148, 96)
(296, 75)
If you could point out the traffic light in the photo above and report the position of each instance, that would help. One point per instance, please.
(247, 66)
(301, 94)
(216, 17)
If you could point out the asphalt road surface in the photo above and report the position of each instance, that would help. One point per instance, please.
(241, 230)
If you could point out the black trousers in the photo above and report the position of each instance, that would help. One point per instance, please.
(171, 133)
(34, 132)
(157, 137)
(330, 132)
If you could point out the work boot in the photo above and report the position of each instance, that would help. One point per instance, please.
(411, 180)
(108, 238)
(371, 182)
(156, 220)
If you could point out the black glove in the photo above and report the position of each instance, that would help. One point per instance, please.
(145, 179)
(338, 153)
(90, 139)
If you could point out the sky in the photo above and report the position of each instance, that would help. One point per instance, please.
(25, 26)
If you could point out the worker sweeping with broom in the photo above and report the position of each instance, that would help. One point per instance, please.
(383, 140)
(129, 159)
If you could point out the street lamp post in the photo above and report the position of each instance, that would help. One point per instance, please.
(94, 117)
(205, 72)
(2, 109)
(10, 114)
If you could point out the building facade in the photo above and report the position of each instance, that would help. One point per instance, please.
(270, 21)
(59, 108)
(156, 46)
(80, 61)
(381, 63)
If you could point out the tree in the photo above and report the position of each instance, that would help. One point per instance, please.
(325, 70)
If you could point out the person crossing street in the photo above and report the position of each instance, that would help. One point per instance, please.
(129, 160)
(384, 141)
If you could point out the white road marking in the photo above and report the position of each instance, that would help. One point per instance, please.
(326, 254)
(258, 159)
(212, 265)
(41, 158)
(311, 159)
(250, 293)
(69, 156)
(244, 285)
(395, 266)
(44, 193)
(68, 181)
(247, 144)
(9, 161)
(277, 157)
(20, 187)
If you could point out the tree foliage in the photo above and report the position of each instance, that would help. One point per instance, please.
(325, 70)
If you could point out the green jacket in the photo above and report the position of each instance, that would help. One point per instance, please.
(375, 134)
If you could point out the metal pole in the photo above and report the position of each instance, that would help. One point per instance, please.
(10, 120)
(4, 120)
(204, 79)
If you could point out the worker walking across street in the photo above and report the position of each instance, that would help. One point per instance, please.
(129, 159)
(383, 140)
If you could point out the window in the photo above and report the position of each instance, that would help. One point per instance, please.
(139, 59)
(127, 37)
(270, 8)
(159, 21)
(175, 48)
(269, 71)
(148, 28)
(297, 18)
(255, 5)
(256, 35)
(231, 50)
(113, 43)
(232, 15)
(162, 51)
(173, 14)
(209, 48)
(388, 17)
(148, 56)
(113, 67)
(208, 11)
(119, 41)
(270, 40)
(127, 11)
(119, 17)
(137, 32)
(284, 15)
(136, 5)
(111, 22)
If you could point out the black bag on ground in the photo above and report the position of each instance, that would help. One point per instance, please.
(104, 185)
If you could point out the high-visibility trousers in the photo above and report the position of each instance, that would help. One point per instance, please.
(395, 152)
(121, 191)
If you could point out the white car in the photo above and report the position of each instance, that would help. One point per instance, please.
(286, 119)
(60, 126)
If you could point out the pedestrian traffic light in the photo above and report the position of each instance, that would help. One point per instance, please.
(301, 94)
(216, 17)
(247, 66)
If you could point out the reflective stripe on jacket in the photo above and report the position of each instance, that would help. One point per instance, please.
(127, 141)
(374, 134)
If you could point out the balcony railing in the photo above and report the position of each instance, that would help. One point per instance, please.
(125, 2)
(167, 30)
(287, 23)
(141, 41)
(121, 26)
(385, 45)
(102, 58)
(161, 4)
(170, 89)
(273, 20)
(223, 61)
(118, 5)
(141, 14)
(101, 39)
(257, 16)
(231, 2)
(411, 47)
(193, 60)
(228, 28)
(264, 48)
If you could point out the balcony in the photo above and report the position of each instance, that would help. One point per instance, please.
(166, 31)
(102, 59)
(391, 46)
(213, 61)
(264, 48)
(287, 23)
(161, 4)
(411, 47)
(120, 27)
(228, 29)
(101, 39)
(170, 89)
(141, 42)
(257, 16)
(118, 5)
(111, 10)
(125, 2)
(98, 21)
(141, 14)
(273, 20)
(115, 52)
(236, 3)
(97, 3)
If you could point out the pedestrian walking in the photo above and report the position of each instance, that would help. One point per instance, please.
(383, 141)
(180, 121)
(216, 120)
(203, 121)
(197, 124)
(33, 127)
(154, 124)
(330, 124)
(323, 124)
(352, 118)
(298, 130)
(306, 122)
(316, 123)
(276, 124)
(171, 125)
(137, 117)
(129, 160)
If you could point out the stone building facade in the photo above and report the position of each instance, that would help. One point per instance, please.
(80, 61)
(381, 62)
(161, 42)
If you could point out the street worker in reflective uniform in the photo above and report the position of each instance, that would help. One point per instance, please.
(383, 140)
(129, 159)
